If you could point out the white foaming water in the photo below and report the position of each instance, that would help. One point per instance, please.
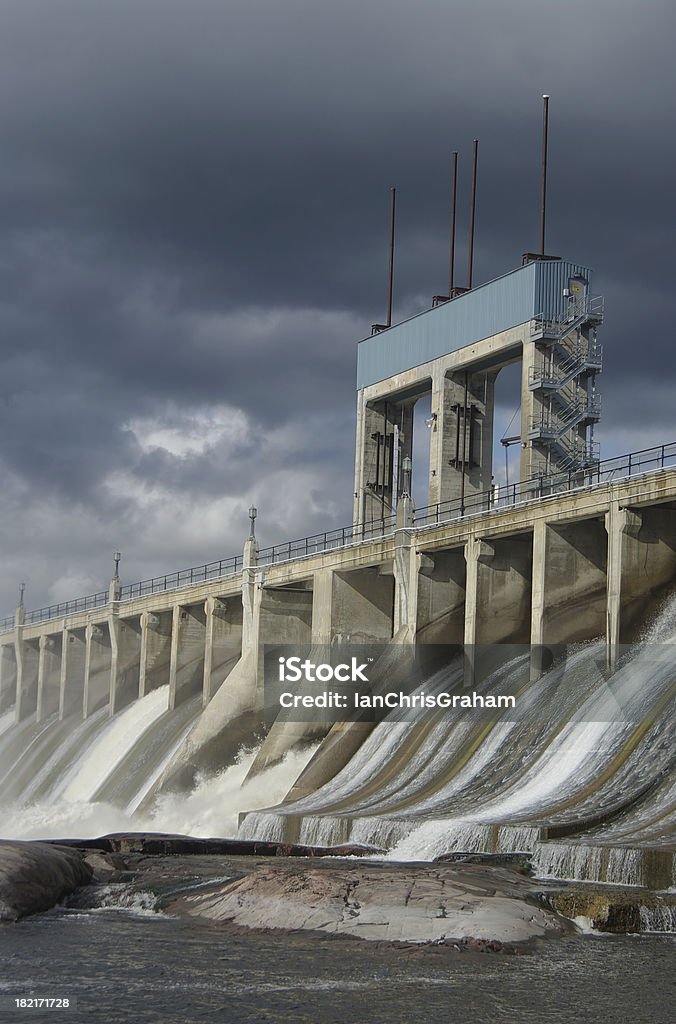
(211, 809)
(214, 806)
(93, 767)
(434, 838)
(658, 919)
(157, 774)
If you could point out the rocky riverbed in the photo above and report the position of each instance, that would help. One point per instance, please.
(472, 902)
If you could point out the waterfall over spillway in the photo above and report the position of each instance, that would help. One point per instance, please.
(587, 759)
(582, 776)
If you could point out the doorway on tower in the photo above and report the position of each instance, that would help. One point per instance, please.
(507, 436)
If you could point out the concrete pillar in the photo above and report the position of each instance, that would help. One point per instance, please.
(538, 661)
(49, 676)
(406, 569)
(461, 439)
(322, 607)
(7, 676)
(186, 669)
(125, 665)
(97, 668)
(619, 521)
(73, 670)
(27, 663)
(476, 549)
(155, 655)
(223, 642)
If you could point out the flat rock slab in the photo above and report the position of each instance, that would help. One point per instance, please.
(468, 904)
(36, 876)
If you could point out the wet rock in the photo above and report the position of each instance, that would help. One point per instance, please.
(37, 876)
(618, 911)
(515, 861)
(470, 906)
(105, 866)
(151, 844)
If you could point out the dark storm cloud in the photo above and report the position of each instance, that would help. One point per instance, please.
(193, 214)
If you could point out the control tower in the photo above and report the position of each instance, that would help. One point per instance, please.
(541, 315)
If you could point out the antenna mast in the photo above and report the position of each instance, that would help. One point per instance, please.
(543, 192)
(472, 210)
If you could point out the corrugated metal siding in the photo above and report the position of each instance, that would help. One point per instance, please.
(550, 280)
(493, 307)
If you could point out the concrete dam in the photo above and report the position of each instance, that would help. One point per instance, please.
(129, 705)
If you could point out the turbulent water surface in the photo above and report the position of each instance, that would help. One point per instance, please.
(146, 968)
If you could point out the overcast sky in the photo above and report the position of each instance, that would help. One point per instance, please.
(194, 213)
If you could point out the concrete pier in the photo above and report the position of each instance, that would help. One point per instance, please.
(27, 651)
(186, 667)
(222, 642)
(155, 656)
(98, 664)
(49, 676)
(125, 660)
(73, 669)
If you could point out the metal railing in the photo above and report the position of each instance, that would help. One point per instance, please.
(343, 537)
(558, 375)
(559, 327)
(546, 425)
(182, 578)
(78, 604)
(610, 470)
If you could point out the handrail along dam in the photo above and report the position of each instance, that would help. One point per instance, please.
(576, 551)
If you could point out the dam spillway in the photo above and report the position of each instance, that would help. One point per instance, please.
(421, 789)
(122, 699)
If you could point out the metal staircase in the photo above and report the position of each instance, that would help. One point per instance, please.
(563, 382)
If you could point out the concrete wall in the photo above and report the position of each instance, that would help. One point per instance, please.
(186, 669)
(648, 564)
(223, 642)
(441, 597)
(569, 596)
(73, 667)
(27, 662)
(49, 676)
(363, 605)
(155, 655)
(285, 615)
(98, 662)
(125, 669)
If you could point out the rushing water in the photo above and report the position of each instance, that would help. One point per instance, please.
(141, 967)
(589, 756)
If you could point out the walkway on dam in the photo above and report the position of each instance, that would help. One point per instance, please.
(554, 560)
(497, 500)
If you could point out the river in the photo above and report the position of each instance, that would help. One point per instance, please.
(145, 967)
